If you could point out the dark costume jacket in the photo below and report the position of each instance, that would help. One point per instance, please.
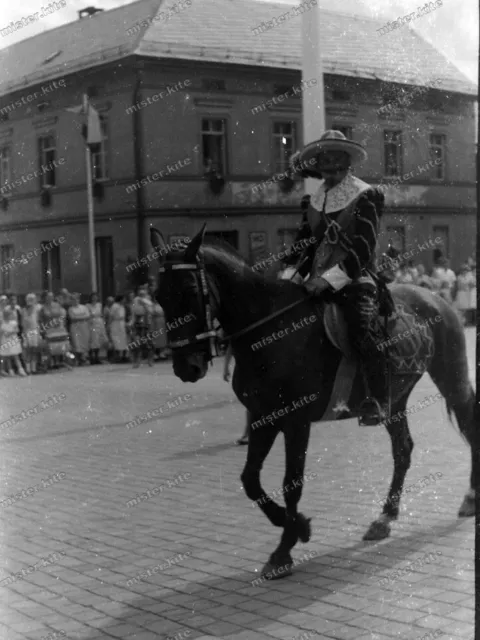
(362, 227)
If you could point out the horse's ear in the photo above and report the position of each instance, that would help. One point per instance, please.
(193, 247)
(158, 243)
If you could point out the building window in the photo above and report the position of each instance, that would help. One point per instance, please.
(46, 157)
(437, 155)
(280, 89)
(396, 238)
(443, 250)
(7, 263)
(285, 239)
(213, 84)
(340, 95)
(392, 142)
(346, 130)
(214, 144)
(51, 273)
(5, 175)
(284, 144)
(99, 156)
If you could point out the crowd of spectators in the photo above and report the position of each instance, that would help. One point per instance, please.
(58, 330)
(458, 289)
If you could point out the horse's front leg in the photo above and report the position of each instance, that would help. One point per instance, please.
(296, 525)
(261, 439)
(402, 447)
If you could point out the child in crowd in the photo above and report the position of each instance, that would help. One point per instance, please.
(10, 345)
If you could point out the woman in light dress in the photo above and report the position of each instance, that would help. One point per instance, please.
(31, 333)
(79, 329)
(98, 334)
(423, 280)
(52, 329)
(404, 276)
(3, 306)
(10, 344)
(117, 329)
(463, 298)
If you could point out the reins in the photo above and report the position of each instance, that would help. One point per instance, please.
(210, 333)
(261, 322)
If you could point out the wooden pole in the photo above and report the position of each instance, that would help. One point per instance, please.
(91, 225)
(313, 101)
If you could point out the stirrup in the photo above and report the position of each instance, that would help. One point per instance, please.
(371, 413)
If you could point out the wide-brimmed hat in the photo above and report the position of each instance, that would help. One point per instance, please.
(333, 140)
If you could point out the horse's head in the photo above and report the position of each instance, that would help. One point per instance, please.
(183, 294)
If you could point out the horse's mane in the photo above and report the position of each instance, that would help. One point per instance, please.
(224, 255)
(222, 248)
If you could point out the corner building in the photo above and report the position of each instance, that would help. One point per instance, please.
(177, 153)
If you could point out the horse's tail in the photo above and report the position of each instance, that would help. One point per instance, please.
(464, 415)
(449, 371)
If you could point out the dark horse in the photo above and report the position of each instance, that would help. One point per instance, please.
(287, 385)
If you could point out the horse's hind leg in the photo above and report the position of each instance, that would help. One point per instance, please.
(402, 447)
(296, 525)
(454, 384)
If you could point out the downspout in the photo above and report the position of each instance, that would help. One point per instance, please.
(139, 168)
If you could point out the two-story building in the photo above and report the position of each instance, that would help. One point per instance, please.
(214, 87)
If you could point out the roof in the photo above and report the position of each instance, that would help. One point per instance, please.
(222, 31)
(80, 45)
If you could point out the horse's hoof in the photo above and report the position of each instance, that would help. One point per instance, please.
(304, 530)
(467, 508)
(276, 569)
(378, 531)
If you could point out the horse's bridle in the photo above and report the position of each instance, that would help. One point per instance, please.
(210, 333)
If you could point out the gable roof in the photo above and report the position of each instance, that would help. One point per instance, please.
(222, 31)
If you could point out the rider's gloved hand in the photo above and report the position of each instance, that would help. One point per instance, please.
(316, 286)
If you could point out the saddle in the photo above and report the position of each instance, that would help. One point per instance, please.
(409, 347)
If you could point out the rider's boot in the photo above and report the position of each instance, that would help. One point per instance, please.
(374, 409)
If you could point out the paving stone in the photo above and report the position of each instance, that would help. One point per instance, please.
(337, 593)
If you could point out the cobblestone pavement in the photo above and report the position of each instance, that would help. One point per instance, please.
(196, 533)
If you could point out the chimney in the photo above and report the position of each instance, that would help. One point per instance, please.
(88, 12)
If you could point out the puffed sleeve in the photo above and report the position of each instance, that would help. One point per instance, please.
(364, 242)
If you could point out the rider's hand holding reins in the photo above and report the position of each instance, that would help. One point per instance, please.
(316, 286)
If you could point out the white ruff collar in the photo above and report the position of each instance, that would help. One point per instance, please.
(339, 196)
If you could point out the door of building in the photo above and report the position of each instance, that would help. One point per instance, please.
(104, 258)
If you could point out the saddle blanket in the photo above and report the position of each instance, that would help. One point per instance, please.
(409, 346)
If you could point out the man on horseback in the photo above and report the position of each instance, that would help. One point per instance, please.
(344, 215)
